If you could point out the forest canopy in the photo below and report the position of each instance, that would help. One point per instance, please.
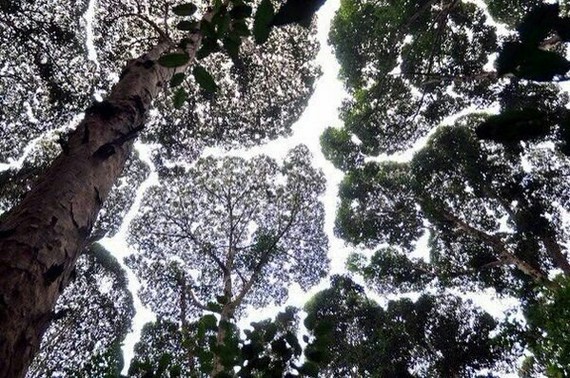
(139, 171)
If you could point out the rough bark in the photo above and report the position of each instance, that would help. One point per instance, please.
(42, 237)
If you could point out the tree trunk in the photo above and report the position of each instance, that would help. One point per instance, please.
(42, 237)
(226, 316)
(227, 311)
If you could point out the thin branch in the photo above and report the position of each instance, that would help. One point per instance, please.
(213, 193)
(264, 259)
(166, 6)
(185, 229)
(163, 35)
(246, 221)
(495, 243)
(196, 301)
(456, 79)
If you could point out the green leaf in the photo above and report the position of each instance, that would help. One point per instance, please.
(177, 79)
(188, 25)
(204, 79)
(186, 9)
(214, 307)
(209, 45)
(180, 97)
(209, 322)
(239, 27)
(222, 299)
(262, 21)
(241, 11)
(208, 29)
(232, 47)
(174, 60)
(223, 24)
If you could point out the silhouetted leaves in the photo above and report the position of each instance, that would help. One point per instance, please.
(186, 9)
(180, 97)
(174, 60)
(296, 11)
(531, 63)
(177, 79)
(262, 21)
(514, 126)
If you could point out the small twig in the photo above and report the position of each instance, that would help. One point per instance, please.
(163, 35)
(166, 20)
(196, 301)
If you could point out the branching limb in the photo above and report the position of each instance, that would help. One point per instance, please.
(163, 35)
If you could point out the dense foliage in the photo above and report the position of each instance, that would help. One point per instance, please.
(434, 336)
(488, 193)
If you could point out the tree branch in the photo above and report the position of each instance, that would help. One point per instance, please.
(264, 259)
(163, 35)
(196, 301)
(555, 252)
(494, 242)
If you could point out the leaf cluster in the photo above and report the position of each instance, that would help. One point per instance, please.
(433, 336)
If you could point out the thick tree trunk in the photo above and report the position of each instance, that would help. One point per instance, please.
(42, 237)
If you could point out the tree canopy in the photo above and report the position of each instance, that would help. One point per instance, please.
(232, 228)
(487, 192)
(434, 336)
(480, 205)
(90, 322)
(492, 221)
